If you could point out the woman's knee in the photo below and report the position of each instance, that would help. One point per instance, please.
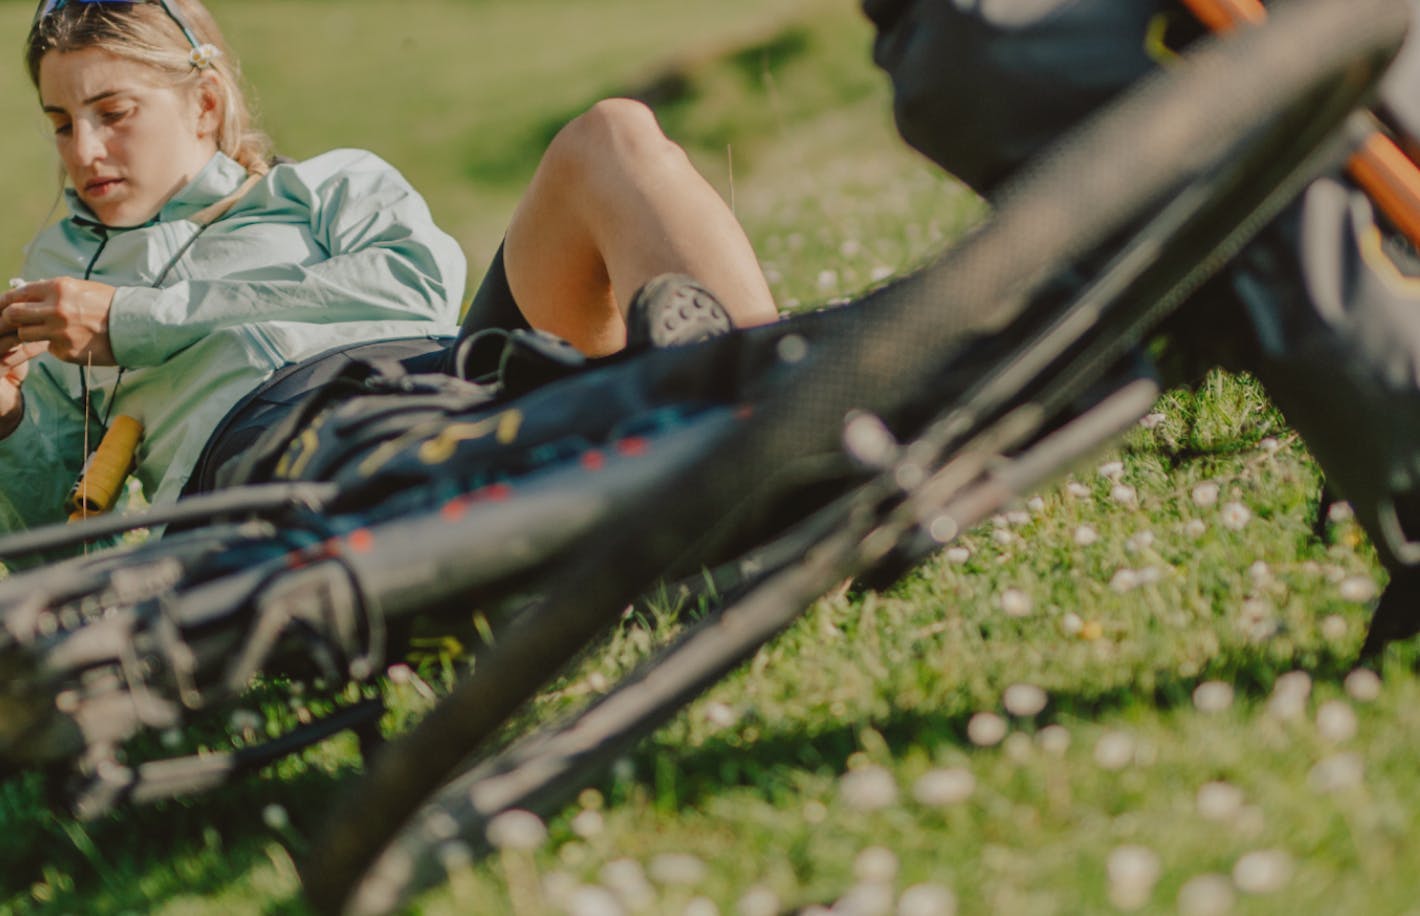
(613, 135)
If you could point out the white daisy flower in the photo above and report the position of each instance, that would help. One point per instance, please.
(986, 729)
(678, 868)
(1133, 871)
(865, 900)
(1359, 589)
(517, 829)
(1054, 739)
(758, 901)
(1024, 700)
(1017, 747)
(1340, 512)
(701, 906)
(875, 865)
(1205, 494)
(871, 788)
(1124, 580)
(927, 900)
(204, 56)
(1124, 494)
(1338, 773)
(1206, 895)
(1263, 872)
(1114, 751)
(244, 720)
(720, 715)
(454, 856)
(627, 880)
(1015, 603)
(1213, 696)
(1336, 722)
(558, 887)
(1363, 685)
(588, 823)
(590, 900)
(1142, 540)
(1234, 516)
(1219, 801)
(275, 817)
(1334, 627)
(1289, 695)
(1256, 619)
(943, 787)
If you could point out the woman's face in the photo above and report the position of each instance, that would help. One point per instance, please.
(129, 140)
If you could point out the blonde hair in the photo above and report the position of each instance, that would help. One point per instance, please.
(145, 33)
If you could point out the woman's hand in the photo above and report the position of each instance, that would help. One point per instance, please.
(68, 316)
(12, 402)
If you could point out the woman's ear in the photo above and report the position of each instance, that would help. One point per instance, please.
(208, 96)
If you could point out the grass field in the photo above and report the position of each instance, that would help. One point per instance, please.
(1135, 692)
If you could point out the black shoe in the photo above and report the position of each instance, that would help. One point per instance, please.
(674, 309)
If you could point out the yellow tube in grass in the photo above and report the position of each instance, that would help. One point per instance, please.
(104, 473)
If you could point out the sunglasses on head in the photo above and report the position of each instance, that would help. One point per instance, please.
(49, 7)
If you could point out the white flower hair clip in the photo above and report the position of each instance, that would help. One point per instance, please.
(204, 55)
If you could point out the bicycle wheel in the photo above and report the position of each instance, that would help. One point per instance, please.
(1201, 180)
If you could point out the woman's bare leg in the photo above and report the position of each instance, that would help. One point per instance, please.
(613, 204)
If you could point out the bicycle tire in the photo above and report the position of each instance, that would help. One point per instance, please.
(1056, 214)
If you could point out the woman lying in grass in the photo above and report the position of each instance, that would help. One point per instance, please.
(193, 272)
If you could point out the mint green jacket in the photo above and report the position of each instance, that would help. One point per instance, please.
(336, 250)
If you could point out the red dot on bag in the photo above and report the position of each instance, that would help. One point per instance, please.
(633, 446)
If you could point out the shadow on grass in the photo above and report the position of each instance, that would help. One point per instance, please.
(680, 777)
(138, 859)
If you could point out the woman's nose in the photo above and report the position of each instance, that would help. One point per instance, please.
(88, 144)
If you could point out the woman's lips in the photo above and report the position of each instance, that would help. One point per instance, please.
(99, 187)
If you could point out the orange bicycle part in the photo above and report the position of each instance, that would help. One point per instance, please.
(1388, 176)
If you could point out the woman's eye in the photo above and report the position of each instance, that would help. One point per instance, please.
(63, 130)
(115, 115)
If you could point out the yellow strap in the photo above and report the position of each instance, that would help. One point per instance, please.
(104, 474)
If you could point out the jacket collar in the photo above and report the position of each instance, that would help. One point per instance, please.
(217, 179)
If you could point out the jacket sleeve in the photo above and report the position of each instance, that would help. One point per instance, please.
(42, 456)
(386, 261)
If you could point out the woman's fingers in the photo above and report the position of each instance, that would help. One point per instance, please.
(27, 304)
(69, 315)
(17, 356)
(24, 314)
